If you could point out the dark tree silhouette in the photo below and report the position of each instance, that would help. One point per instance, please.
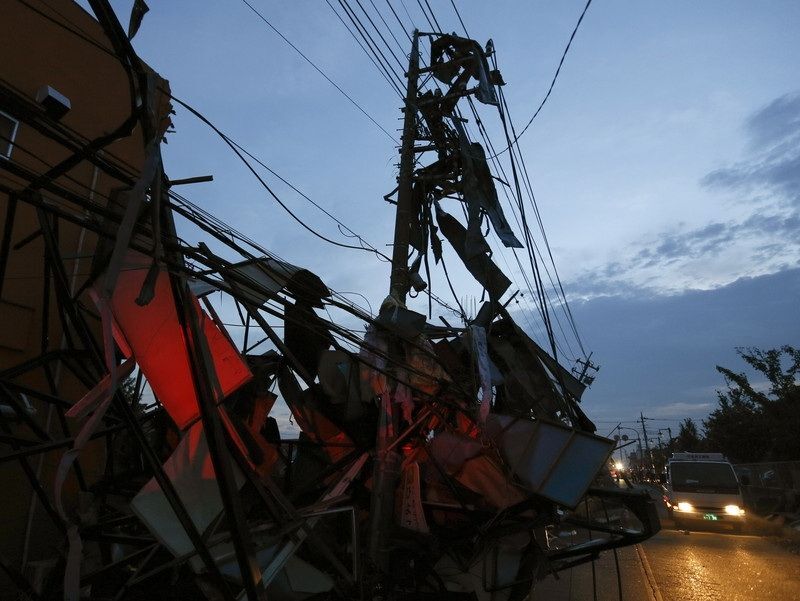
(756, 422)
(688, 438)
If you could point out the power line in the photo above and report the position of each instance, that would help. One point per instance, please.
(422, 8)
(535, 206)
(380, 57)
(320, 71)
(460, 20)
(555, 76)
(389, 29)
(238, 153)
(379, 67)
(380, 35)
(499, 168)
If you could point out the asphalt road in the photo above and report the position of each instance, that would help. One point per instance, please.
(709, 566)
(673, 566)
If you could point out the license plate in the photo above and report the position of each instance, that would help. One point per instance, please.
(710, 516)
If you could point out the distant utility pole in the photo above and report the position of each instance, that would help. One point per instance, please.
(586, 365)
(668, 431)
(646, 442)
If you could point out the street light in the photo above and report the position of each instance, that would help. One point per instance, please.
(625, 437)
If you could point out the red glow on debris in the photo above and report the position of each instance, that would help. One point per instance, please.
(154, 336)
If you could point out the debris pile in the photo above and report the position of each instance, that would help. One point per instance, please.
(432, 461)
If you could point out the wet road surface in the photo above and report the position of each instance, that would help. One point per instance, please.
(709, 566)
(673, 566)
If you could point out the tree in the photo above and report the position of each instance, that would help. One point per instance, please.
(688, 438)
(759, 422)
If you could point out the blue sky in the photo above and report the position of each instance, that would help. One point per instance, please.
(665, 164)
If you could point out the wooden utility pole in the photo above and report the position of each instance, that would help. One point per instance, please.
(646, 442)
(387, 460)
(399, 282)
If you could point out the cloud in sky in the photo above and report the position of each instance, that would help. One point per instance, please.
(681, 410)
(761, 239)
(658, 353)
(774, 166)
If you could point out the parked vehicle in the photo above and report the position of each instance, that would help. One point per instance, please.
(701, 488)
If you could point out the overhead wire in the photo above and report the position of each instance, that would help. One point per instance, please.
(500, 169)
(431, 20)
(388, 28)
(368, 54)
(397, 17)
(436, 27)
(555, 76)
(340, 224)
(319, 70)
(535, 206)
(380, 35)
(485, 136)
(283, 205)
(460, 20)
(372, 45)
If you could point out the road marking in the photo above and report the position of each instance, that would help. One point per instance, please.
(648, 572)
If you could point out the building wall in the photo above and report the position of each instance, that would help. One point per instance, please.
(36, 50)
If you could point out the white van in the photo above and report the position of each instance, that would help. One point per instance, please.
(702, 488)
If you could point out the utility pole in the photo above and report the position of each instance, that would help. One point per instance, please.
(399, 280)
(586, 365)
(646, 442)
(387, 460)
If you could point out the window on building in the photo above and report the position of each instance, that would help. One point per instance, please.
(8, 131)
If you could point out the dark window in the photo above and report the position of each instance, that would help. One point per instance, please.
(703, 477)
(8, 131)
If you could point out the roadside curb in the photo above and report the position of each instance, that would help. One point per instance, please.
(648, 573)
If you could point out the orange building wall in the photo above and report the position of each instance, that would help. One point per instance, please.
(34, 52)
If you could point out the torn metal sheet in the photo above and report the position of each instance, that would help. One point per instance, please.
(482, 268)
(260, 280)
(480, 193)
(526, 386)
(480, 354)
(450, 54)
(153, 335)
(192, 473)
(305, 335)
(551, 460)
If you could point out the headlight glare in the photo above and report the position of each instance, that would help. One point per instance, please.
(734, 510)
(684, 507)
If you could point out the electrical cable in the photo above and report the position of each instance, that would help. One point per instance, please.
(499, 168)
(460, 20)
(380, 35)
(373, 45)
(352, 233)
(320, 71)
(263, 183)
(396, 16)
(389, 29)
(430, 23)
(555, 77)
(534, 204)
(380, 58)
(438, 27)
(380, 68)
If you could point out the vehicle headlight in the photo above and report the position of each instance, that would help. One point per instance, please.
(734, 510)
(685, 507)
